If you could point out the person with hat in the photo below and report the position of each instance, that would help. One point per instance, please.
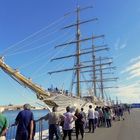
(25, 124)
(3, 125)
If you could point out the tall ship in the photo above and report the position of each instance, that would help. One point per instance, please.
(88, 68)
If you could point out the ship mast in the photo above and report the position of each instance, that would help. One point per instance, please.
(100, 66)
(41, 93)
(94, 61)
(94, 69)
(101, 77)
(79, 52)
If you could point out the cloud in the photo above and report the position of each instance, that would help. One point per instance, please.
(129, 93)
(123, 46)
(118, 56)
(134, 59)
(118, 45)
(133, 69)
(134, 74)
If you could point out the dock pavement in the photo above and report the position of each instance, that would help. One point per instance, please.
(128, 129)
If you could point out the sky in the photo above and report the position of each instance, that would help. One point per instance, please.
(30, 29)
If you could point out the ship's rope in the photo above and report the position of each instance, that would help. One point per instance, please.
(30, 100)
(39, 57)
(106, 96)
(54, 55)
(13, 78)
(45, 53)
(61, 65)
(36, 40)
(52, 81)
(98, 93)
(21, 48)
(88, 86)
(73, 78)
(32, 35)
(38, 47)
(72, 81)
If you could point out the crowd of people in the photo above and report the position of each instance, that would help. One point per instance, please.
(79, 120)
(70, 121)
(58, 91)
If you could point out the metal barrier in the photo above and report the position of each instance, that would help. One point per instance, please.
(11, 133)
(41, 132)
(40, 129)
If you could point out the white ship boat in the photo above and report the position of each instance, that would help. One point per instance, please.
(59, 99)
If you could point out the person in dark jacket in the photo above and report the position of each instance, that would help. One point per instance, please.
(79, 124)
(25, 124)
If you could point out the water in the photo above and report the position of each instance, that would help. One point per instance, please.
(11, 115)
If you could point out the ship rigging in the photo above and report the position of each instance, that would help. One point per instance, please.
(95, 66)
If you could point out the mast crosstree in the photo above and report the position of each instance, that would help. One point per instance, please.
(79, 52)
(79, 67)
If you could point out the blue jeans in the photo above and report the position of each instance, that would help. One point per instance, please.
(54, 129)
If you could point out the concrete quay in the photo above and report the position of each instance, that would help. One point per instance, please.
(128, 129)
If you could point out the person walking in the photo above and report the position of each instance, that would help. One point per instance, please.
(84, 117)
(79, 124)
(69, 118)
(91, 118)
(128, 109)
(25, 124)
(100, 118)
(3, 125)
(96, 114)
(121, 112)
(54, 119)
(108, 117)
(104, 117)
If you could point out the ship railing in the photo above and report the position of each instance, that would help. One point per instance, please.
(11, 132)
(40, 131)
